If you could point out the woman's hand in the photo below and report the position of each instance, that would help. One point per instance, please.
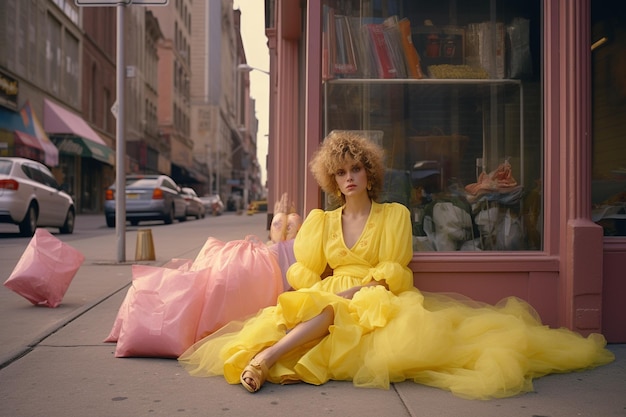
(349, 293)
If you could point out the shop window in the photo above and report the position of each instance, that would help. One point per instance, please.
(452, 91)
(608, 57)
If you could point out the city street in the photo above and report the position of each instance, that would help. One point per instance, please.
(55, 364)
(98, 243)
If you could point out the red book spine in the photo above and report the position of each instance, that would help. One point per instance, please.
(383, 60)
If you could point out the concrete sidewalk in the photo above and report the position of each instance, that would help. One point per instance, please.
(62, 367)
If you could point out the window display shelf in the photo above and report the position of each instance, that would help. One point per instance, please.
(423, 81)
(461, 141)
(443, 137)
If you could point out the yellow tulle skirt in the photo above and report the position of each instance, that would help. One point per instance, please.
(474, 350)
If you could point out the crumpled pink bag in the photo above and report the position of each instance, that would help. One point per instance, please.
(45, 270)
(161, 314)
(179, 264)
(242, 277)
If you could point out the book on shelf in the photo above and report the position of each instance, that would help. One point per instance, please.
(345, 58)
(379, 51)
(340, 45)
(325, 44)
(486, 48)
(413, 64)
(368, 47)
(328, 42)
(393, 40)
(361, 51)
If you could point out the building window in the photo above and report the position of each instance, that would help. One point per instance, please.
(8, 31)
(106, 96)
(42, 45)
(608, 57)
(22, 37)
(53, 55)
(458, 110)
(71, 81)
(32, 25)
(93, 88)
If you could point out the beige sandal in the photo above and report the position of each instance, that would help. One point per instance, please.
(256, 371)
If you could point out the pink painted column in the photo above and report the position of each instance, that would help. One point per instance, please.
(273, 147)
(581, 239)
(313, 104)
(284, 163)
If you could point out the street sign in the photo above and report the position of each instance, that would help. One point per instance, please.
(117, 2)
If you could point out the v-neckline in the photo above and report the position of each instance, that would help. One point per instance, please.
(367, 221)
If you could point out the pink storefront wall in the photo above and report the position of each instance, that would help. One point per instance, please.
(573, 282)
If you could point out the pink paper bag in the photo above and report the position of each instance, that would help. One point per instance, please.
(46, 269)
(179, 264)
(162, 310)
(242, 276)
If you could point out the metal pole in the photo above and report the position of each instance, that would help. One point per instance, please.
(120, 149)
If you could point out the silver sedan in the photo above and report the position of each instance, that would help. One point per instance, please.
(31, 197)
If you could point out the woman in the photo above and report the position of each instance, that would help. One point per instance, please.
(366, 322)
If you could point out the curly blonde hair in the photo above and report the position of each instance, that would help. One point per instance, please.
(338, 146)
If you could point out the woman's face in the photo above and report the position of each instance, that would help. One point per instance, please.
(351, 178)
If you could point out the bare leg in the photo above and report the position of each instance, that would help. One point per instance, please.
(303, 333)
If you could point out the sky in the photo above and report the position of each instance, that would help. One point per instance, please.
(257, 56)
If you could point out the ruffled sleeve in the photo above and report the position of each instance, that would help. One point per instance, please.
(308, 250)
(395, 250)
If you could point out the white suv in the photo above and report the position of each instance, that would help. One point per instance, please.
(30, 197)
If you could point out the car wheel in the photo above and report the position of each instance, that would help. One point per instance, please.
(110, 221)
(29, 224)
(169, 216)
(68, 226)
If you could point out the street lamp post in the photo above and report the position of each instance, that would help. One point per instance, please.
(248, 68)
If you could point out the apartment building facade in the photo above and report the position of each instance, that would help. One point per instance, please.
(58, 68)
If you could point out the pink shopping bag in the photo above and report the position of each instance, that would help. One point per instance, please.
(46, 269)
(176, 263)
(241, 277)
(162, 311)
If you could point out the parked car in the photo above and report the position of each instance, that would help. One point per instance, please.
(213, 204)
(30, 197)
(195, 206)
(148, 197)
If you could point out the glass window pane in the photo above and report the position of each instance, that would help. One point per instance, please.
(452, 91)
(71, 78)
(53, 54)
(608, 57)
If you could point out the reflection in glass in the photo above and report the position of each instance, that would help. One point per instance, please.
(608, 186)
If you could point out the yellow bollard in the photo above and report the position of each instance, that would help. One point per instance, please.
(144, 250)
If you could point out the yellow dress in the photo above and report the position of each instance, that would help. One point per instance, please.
(383, 336)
